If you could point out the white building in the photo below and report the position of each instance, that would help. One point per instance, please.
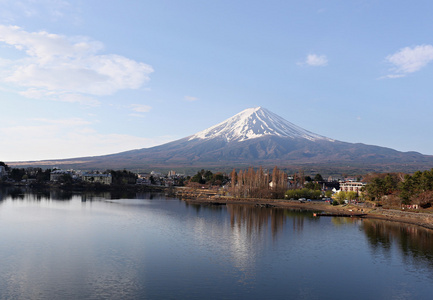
(351, 186)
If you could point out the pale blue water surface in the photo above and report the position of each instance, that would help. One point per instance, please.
(65, 246)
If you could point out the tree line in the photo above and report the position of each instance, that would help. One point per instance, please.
(209, 178)
(400, 188)
(40, 176)
(18, 174)
(390, 189)
(258, 184)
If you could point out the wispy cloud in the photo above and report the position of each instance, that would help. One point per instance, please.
(54, 10)
(141, 108)
(190, 98)
(63, 122)
(67, 69)
(409, 60)
(67, 138)
(34, 93)
(315, 60)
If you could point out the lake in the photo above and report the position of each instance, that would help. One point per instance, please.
(145, 246)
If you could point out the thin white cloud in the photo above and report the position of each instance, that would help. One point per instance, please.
(394, 76)
(67, 138)
(59, 68)
(54, 10)
(409, 60)
(190, 98)
(141, 108)
(315, 60)
(77, 98)
(64, 122)
(136, 115)
(58, 96)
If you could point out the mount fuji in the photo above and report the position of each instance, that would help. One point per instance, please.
(256, 137)
(255, 123)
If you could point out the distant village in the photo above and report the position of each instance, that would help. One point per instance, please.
(204, 178)
(391, 190)
(151, 179)
(37, 175)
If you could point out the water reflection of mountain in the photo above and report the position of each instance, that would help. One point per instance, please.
(414, 242)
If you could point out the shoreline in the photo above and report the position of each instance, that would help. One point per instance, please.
(414, 218)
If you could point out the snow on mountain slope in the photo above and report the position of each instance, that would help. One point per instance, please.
(254, 123)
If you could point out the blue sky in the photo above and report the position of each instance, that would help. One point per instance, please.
(81, 78)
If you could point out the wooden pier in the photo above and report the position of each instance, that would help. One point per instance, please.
(338, 215)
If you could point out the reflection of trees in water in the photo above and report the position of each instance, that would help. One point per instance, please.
(198, 206)
(61, 195)
(298, 217)
(257, 219)
(339, 221)
(14, 192)
(122, 194)
(42, 195)
(91, 196)
(414, 242)
(28, 194)
(118, 194)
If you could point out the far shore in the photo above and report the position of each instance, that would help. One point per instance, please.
(423, 218)
(408, 217)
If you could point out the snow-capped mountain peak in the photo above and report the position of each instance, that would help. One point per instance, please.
(254, 123)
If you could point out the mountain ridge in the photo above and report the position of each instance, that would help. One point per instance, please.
(255, 137)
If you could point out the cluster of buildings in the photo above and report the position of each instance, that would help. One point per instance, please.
(59, 175)
(152, 178)
(175, 179)
(155, 178)
(94, 177)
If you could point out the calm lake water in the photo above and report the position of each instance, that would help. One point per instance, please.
(65, 246)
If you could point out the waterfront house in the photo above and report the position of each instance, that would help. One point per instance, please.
(351, 186)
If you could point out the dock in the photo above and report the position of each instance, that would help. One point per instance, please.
(338, 215)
